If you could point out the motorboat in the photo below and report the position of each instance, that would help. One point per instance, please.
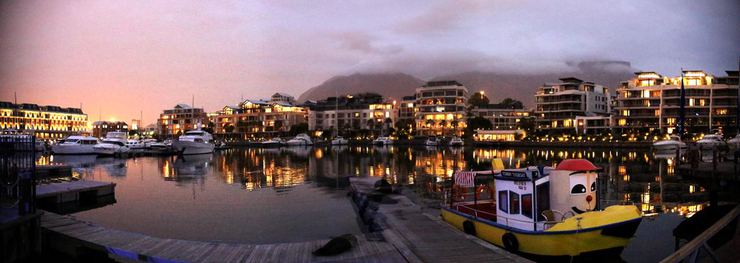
(194, 142)
(76, 145)
(135, 145)
(113, 143)
(339, 140)
(274, 142)
(456, 141)
(158, 147)
(545, 212)
(431, 141)
(710, 140)
(221, 146)
(382, 141)
(671, 144)
(734, 143)
(300, 140)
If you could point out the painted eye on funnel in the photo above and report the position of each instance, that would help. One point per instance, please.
(578, 189)
(593, 187)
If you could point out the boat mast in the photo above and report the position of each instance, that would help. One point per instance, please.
(682, 109)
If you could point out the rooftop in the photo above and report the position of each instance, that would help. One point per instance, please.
(442, 83)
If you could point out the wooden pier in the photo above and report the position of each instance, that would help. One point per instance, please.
(73, 191)
(72, 236)
(423, 237)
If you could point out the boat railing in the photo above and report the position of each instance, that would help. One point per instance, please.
(692, 249)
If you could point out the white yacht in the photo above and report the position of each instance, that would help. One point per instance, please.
(382, 140)
(339, 140)
(734, 143)
(274, 142)
(456, 141)
(300, 140)
(135, 145)
(710, 140)
(194, 142)
(76, 145)
(113, 143)
(431, 141)
(671, 144)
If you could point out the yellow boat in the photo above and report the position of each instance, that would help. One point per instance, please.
(541, 212)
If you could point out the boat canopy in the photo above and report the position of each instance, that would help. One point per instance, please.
(576, 165)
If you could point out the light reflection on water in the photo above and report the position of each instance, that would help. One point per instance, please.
(259, 189)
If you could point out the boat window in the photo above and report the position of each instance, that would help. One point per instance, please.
(527, 205)
(70, 140)
(514, 203)
(503, 201)
(593, 187)
(198, 140)
(543, 200)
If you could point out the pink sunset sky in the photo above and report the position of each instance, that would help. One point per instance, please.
(117, 58)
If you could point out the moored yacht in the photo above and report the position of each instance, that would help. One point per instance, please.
(734, 143)
(456, 141)
(76, 145)
(274, 142)
(431, 141)
(113, 143)
(671, 144)
(382, 140)
(339, 140)
(194, 142)
(710, 140)
(135, 145)
(300, 140)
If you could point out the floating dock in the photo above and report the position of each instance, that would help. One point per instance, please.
(73, 191)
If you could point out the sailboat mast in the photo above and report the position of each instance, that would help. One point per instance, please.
(682, 109)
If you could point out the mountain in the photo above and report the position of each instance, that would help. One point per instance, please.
(519, 86)
(393, 85)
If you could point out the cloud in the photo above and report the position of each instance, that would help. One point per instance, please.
(363, 42)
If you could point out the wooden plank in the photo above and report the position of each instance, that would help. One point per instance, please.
(689, 248)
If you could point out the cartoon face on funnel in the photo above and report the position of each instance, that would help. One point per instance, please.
(582, 191)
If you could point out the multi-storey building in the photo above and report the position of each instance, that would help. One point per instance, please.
(353, 113)
(651, 101)
(441, 108)
(101, 128)
(47, 122)
(180, 119)
(282, 97)
(558, 104)
(258, 118)
(503, 117)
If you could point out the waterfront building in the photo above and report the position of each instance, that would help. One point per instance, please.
(650, 102)
(366, 111)
(499, 135)
(558, 104)
(101, 128)
(440, 108)
(181, 118)
(47, 122)
(503, 117)
(259, 118)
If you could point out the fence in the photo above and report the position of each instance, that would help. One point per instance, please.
(17, 173)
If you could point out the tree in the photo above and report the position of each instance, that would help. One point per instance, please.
(512, 103)
(476, 123)
(229, 128)
(443, 123)
(296, 129)
(478, 99)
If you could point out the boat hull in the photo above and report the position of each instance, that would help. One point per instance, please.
(550, 243)
(73, 149)
(668, 147)
(188, 147)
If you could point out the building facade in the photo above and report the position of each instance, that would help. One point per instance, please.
(651, 102)
(353, 113)
(503, 117)
(253, 119)
(558, 104)
(101, 128)
(176, 121)
(440, 108)
(46, 122)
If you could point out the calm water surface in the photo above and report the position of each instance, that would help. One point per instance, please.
(294, 194)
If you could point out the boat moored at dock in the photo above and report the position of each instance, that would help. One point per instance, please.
(542, 212)
(194, 142)
(76, 145)
(300, 140)
(115, 142)
(671, 144)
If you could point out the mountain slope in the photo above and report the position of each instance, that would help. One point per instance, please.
(392, 85)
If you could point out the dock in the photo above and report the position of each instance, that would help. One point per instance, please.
(422, 236)
(82, 239)
(73, 191)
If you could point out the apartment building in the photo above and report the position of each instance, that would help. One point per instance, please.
(558, 104)
(440, 108)
(652, 101)
(352, 113)
(101, 128)
(253, 119)
(181, 118)
(503, 117)
(46, 122)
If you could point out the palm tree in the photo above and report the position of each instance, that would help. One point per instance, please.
(443, 123)
(454, 124)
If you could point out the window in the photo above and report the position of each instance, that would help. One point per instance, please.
(513, 203)
(503, 201)
(527, 205)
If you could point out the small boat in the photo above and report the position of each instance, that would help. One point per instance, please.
(274, 142)
(194, 142)
(221, 146)
(135, 145)
(734, 143)
(339, 140)
(76, 145)
(544, 212)
(382, 141)
(158, 147)
(300, 140)
(431, 141)
(671, 144)
(113, 143)
(710, 140)
(456, 141)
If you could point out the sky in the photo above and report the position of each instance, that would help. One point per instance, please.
(120, 59)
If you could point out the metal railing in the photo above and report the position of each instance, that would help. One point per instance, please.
(692, 249)
(17, 172)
